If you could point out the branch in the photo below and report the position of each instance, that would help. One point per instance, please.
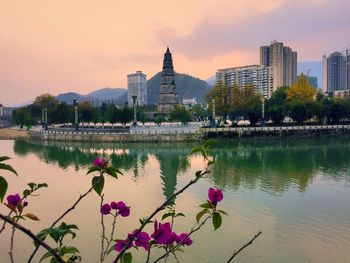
(103, 232)
(32, 236)
(181, 242)
(11, 244)
(160, 208)
(4, 223)
(60, 218)
(240, 250)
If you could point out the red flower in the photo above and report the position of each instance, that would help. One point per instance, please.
(101, 162)
(215, 196)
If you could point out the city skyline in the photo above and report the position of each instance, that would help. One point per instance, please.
(81, 46)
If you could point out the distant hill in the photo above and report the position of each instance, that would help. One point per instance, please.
(315, 70)
(97, 96)
(187, 87)
(211, 81)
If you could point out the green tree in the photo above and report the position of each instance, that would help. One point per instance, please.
(336, 109)
(126, 115)
(276, 105)
(298, 111)
(63, 113)
(86, 111)
(180, 114)
(22, 116)
(46, 101)
(221, 95)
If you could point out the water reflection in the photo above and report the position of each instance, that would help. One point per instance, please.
(273, 166)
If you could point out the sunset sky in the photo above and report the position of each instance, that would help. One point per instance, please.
(57, 46)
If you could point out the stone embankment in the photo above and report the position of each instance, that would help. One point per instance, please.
(181, 136)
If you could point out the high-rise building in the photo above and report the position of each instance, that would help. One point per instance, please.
(283, 59)
(262, 78)
(137, 86)
(336, 73)
(167, 98)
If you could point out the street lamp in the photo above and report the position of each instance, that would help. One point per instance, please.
(45, 118)
(134, 105)
(42, 118)
(213, 121)
(75, 114)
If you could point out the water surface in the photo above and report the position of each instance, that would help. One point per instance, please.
(296, 192)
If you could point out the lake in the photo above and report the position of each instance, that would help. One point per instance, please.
(297, 192)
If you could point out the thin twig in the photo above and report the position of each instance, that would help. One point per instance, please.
(243, 247)
(61, 217)
(11, 244)
(32, 236)
(103, 233)
(148, 255)
(112, 234)
(181, 242)
(160, 208)
(4, 223)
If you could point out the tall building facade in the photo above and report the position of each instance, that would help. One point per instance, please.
(336, 73)
(167, 98)
(262, 78)
(283, 59)
(137, 86)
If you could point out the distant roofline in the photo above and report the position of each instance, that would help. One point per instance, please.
(243, 67)
(138, 72)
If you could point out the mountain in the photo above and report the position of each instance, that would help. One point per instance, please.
(315, 70)
(107, 93)
(187, 87)
(97, 96)
(211, 81)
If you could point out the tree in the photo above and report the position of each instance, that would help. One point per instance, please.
(220, 94)
(46, 101)
(179, 113)
(87, 111)
(63, 113)
(301, 90)
(276, 105)
(298, 111)
(253, 111)
(126, 115)
(22, 116)
(336, 109)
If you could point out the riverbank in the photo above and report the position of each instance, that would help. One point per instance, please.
(233, 133)
(9, 134)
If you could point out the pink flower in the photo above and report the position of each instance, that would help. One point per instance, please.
(142, 240)
(101, 162)
(120, 244)
(162, 234)
(14, 200)
(184, 239)
(123, 210)
(215, 196)
(105, 209)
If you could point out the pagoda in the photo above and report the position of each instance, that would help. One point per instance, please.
(167, 98)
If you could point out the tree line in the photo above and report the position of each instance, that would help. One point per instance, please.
(300, 102)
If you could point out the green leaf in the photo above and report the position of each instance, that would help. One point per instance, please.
(26, 192)
(222, 212)
(167, 215)
(3, 188)
(4, 158)
(8, 168)
(206, 205)
(68, 250)
(98, 183)
(93, 169)
(31, 185)
(180, 214)
(198, 174)
(110, 249)
(112, 172)
(217, 220)
(201, 214)
(42, 185)
(128, 257)
(47, 255)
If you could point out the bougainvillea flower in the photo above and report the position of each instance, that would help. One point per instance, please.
(215, 196)
(101, 162)
(14, 200)
(162, 234)
(105, 209)
(120, 244)
(142, 240)
(184, 239)
(122, 208)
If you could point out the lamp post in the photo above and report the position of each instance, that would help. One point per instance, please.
(42, 118)
(134, 105)
(262, 110)
(75, 114)
(45, 118)
(213, 121)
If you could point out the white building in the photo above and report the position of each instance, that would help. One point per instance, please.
(1, 111)
(262, 78)
(189, 103)
(137, 86)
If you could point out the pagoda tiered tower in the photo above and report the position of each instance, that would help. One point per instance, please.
(167, 98)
